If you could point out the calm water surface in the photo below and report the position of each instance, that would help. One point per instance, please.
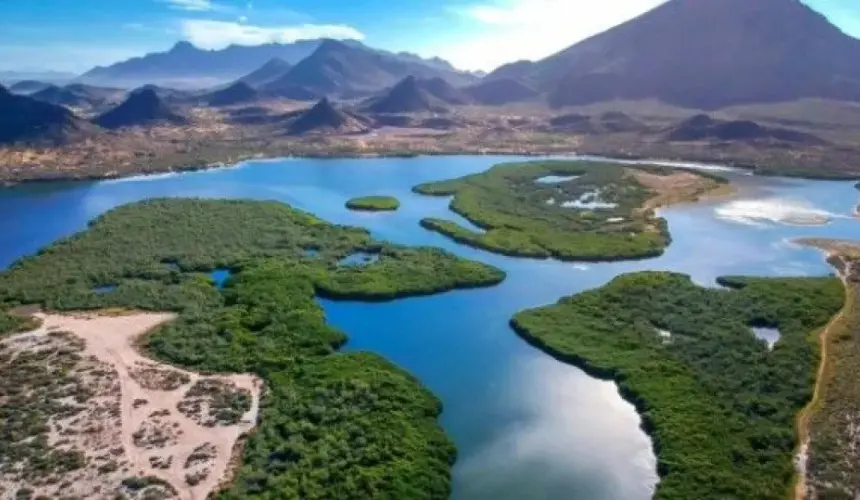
(525, 425)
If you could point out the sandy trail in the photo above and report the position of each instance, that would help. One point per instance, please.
(158, 438)
(805, 416)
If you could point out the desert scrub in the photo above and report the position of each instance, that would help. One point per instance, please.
(719, 405)
(373, 203)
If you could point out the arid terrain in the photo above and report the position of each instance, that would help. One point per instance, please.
(106, 422)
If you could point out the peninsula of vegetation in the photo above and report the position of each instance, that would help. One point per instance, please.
(331, 425)
(827, 428)
(374, 204)
(718, 403)
(567, 210)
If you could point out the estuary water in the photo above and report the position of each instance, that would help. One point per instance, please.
(525, 425)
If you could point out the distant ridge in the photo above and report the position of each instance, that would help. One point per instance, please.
(412, 95)
(323, 117)
(189, 67)
(238, 93)
(28, 86)
(186, 66)
(75, 96)
(498, 91)
(705, 128)
(27, 120)
(352, 69)
(141, 108)
(275, 68)
(704, 54)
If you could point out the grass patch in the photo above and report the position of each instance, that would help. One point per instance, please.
(718, 404)
(349, 426)
(374, 204)
(602, 213)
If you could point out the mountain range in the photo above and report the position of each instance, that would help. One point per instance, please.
(351, 69)
(703, 54)
(186, 66)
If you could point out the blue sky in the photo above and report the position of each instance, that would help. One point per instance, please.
(74, 35)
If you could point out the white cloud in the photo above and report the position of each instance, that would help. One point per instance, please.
(243, 19)
(192, 5)
(218, 34)
(510, 30)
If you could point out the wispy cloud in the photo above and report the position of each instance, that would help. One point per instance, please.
(218, 34)
(191, 5)
(507, 30)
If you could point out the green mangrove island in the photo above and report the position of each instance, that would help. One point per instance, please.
(332, 425)
(374, 204)
(567, 210)
(718, 403)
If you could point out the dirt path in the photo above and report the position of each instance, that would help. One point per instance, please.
(167, 421)
(805, 416)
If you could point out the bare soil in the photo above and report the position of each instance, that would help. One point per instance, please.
(134, 426)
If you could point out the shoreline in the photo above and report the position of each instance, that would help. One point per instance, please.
(619, 157)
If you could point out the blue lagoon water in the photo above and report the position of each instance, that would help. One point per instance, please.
(525, 425)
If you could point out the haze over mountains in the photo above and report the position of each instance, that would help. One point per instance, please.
(188, 66)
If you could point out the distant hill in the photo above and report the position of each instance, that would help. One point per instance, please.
(142, 108)
(187, 66)
(611, 122)
(238, 93)
(704, 128)
(323, 117)
(498, 91)
(52, 77)
(272, 70)
(704, 54)
(413, 95)
(352, 69)
(28, 86)
(27, 120)
(76, 95)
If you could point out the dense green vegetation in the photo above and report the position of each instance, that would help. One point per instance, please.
(348, 426)
(833, 453)
(374, 203)
(521, 216)
(10, 323)
(719, 405)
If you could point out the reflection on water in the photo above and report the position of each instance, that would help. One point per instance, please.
(773, 210)
(101, 290)
(525, 425)
(220, 277)
(769, 335)
(359, 259)
(556, 179)
(573, 409)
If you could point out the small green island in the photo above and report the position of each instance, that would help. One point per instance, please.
(331, 425)
(373, 204)
(719, 404)
(568, 210)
